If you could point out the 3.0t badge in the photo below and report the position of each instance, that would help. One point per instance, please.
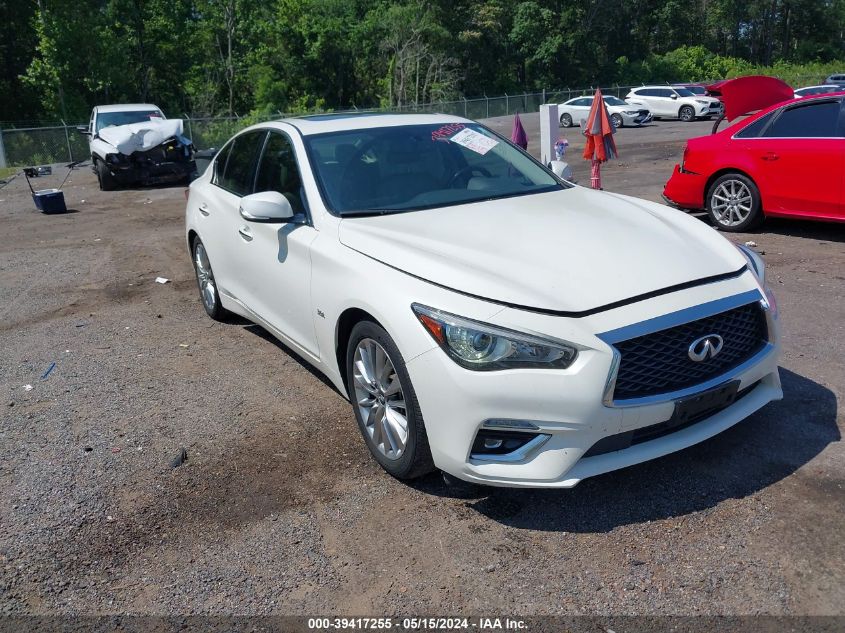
(705, 347)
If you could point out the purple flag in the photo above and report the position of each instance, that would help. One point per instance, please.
(518, 135)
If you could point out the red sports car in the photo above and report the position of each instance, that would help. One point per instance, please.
(786, 160)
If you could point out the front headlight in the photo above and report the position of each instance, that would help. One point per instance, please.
(485, 347)
(702, 101)
(631, 112)
(755, 263)
(758, 267)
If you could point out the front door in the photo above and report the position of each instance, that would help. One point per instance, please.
(276, 257)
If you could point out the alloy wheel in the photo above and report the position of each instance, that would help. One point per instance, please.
(731, 203)
(208, 288)
(380, 399)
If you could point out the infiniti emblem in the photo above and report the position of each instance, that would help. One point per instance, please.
(705, 347)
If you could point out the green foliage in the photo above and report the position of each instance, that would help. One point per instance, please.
(261, 57)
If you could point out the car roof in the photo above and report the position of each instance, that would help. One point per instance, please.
(339, 122)
(126, 107)
(819, 86)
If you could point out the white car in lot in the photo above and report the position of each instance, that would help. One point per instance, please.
(483, 316)
(809, 91)
(133, 143)
(674, 102)
(575, 110)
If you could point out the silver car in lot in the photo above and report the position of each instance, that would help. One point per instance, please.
(621, 113)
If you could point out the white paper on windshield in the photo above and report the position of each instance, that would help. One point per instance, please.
(474, 141)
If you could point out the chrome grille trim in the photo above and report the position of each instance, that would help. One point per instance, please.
(681, 317)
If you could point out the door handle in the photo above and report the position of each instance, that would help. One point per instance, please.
(770, 156)
(246, 234)
(203, 208)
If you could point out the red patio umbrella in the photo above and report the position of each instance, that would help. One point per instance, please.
(599, 132)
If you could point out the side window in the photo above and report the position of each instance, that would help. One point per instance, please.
(278, 171)
(239, 173)
(220, 163)
(665, 92)
(643, 93)
(753, 130)
(807, 121)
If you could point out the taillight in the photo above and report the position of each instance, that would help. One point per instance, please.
(684, 157)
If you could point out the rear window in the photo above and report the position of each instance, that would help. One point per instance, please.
(813, 120)
(755, 128)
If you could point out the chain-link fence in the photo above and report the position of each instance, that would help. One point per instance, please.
(59, 143)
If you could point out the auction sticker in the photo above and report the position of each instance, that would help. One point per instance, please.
(474, 141)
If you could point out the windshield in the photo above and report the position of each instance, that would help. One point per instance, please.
(409, 167)
(684, 92)
(614, 101)
(108, 119)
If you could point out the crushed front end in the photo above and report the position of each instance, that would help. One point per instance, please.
(172, 161)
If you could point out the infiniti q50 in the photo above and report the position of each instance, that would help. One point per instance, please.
(482, 316)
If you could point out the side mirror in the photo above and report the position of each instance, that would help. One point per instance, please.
(83, 129)
(674, 96)
(266, 206)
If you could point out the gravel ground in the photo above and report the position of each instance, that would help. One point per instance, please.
(279, 509)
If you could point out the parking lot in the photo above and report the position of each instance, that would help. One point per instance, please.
(279, 507)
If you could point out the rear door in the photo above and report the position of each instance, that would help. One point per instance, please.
(800, 158)
(218, 205)
(580, 109)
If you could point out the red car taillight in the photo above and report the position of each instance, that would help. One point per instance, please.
(684, 157)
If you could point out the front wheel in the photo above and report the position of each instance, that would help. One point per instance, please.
(385, 403)
(106, 181)
(733, 203)
(686, 114)
(566, 120)
(617, 121)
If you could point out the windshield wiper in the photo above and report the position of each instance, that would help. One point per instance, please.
(361, 213)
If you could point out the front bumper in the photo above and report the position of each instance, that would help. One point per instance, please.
(685, 189)
(569, 407)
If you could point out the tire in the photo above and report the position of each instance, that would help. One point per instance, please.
(617, 120)
(566, 120)
(686, 114)
(372, 398)
(104, 177)
(734, 204)
(209, 294)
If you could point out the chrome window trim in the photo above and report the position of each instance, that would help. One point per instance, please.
(673, 319)
(514, 456)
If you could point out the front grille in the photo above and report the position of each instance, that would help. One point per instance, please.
(659, 362)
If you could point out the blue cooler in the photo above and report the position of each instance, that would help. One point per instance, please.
(50, 200)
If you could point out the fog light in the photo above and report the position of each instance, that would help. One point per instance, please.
(500, 442)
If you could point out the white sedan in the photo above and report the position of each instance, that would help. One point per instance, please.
(575, 110)
(483, 316)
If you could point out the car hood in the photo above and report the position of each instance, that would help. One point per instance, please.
(567, 251)
(140, 137)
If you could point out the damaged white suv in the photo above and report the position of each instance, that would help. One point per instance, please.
(135, 144)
